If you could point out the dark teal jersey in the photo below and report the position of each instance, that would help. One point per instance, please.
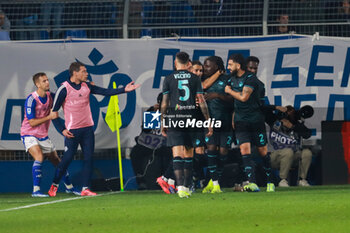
(262, 91)
(218, 108)
(182, 87)
(249, 111)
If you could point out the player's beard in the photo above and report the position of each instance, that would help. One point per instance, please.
(234, 73)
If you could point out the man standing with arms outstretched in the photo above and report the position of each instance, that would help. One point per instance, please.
(180, 90)
(249, 120)
(73, 95)
(34, 132)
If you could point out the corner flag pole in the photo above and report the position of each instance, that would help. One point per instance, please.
(120, 162)
(115, 100)
(114, 122)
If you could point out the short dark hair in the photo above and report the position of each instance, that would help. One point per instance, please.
(253, 59)
(218, 61)
(183, 57)
(75, 66)
(197, 62)
(37, 76)
(282, 13)
(292, 114)
(238, 58)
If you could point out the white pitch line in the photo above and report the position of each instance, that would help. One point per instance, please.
(56, 201)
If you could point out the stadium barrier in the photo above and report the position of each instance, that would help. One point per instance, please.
(55, 19)
(16, 176)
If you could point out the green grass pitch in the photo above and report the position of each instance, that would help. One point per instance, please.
(314, 209)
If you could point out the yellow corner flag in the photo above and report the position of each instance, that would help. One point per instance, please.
(113, 118)
(114, 122)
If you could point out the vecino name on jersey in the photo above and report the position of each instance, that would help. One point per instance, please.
(182, 76)
(191, 123)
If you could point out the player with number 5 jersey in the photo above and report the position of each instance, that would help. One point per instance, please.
(180, 90)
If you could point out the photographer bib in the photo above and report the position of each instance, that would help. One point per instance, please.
(151, 140)
(280, 140)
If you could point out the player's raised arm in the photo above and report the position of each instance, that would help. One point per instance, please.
(131, 86)
(209, 81)
(109, 91)
(241, 96)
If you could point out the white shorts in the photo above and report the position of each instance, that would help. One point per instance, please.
(46, 145)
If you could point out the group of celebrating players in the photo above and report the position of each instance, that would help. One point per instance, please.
(236, 99)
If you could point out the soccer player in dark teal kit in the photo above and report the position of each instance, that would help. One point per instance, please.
(180, 90)
(220, 108)
(249, 120)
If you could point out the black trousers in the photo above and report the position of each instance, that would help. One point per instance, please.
(149, 164)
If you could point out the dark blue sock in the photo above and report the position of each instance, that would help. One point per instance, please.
(221, 164)
(198, 166)
(37, 174)
(178, 165)
(169, 173)
(267, 167)
(67, 181)
(212, 155)
(249, 168)
(188, 167)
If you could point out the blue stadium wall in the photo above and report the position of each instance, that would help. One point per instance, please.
(16, 176)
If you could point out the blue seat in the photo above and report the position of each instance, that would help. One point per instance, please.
(146, 14)
(44, 35)
(4, 35)
(75, 33)
(181, 13)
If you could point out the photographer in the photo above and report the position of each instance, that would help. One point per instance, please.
(286, 132)
(150, 157)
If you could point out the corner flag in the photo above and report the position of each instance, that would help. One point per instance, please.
(113, 118)
(114, 122)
